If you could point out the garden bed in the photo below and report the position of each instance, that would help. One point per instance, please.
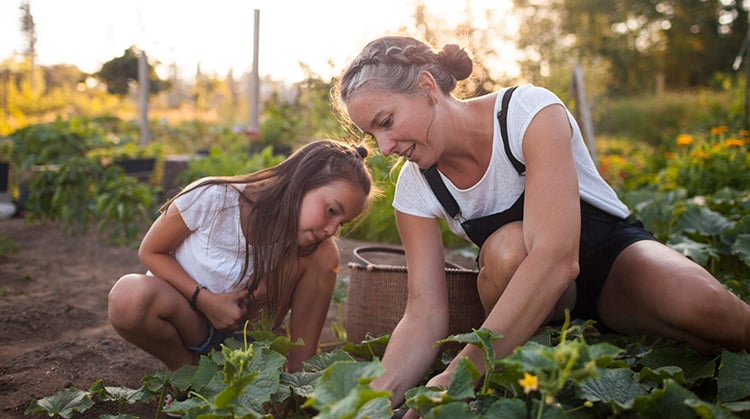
(54, 331)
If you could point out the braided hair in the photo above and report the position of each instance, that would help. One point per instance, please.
(394, 63)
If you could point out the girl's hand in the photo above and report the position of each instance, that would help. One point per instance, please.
(225, 311)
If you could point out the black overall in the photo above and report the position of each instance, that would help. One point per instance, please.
(603, 235)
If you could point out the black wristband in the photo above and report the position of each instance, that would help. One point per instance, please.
(194, 298)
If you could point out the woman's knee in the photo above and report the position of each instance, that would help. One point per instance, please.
(503, 251)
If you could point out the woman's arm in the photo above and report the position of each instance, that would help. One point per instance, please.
(411, 351)
(551, 232)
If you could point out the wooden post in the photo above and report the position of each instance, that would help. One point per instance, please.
(143, 88)
(583, 113)
(253, 124)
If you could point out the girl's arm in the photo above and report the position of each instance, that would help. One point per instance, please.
(411, 350)
(551, 231)
(157, 254)
(311, 300)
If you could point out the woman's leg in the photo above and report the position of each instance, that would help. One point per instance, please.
(154, 316)
(499, 258)
(654, 290)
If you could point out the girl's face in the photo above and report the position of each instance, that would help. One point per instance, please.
(399, 123)
(325, 209)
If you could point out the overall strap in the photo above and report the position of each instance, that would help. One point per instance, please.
(441, 191)
(436, 182)
(502, 117)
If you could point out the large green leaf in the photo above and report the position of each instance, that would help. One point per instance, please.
(618, 387)
(701, 220)
(695, 366)
(734, 376)
(698, 252)
(666, 403)
(741, 248)
(64, 403)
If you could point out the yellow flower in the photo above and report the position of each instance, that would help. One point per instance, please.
(529, 382)
(684, 139)
(734, 142)
(721, 129)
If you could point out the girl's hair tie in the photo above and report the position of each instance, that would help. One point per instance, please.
(361, 151)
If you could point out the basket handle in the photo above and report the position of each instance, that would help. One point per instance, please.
(358, 253)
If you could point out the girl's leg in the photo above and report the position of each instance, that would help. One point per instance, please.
(154, 316)
(311, 300)
(654, 290)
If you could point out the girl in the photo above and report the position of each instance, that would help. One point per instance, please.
(512, 174)
(230, 249)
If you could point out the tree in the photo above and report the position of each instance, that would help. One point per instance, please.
(28, 27)
(685, 42)
(119, 73)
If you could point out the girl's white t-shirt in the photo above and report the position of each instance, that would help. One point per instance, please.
(501, 185)
(213, 254)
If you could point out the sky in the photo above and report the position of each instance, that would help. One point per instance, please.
(217, 34)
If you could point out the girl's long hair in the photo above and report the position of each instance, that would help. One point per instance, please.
(275, 195)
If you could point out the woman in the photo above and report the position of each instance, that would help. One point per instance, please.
(552, 234)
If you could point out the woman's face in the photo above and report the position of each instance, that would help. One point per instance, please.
(399, 123)
(326, 208)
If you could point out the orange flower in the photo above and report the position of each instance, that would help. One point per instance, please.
(684, 139)
(734, 142)
(670, 156)
(721, 129)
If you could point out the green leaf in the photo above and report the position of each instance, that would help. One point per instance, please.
(462, 381)
(64, 403)
(701, 220)
(341, 377)
(268, 364)
(694, 365)
(741, 247)
(300, 383)
(709, 411)
(734, 376)
(323, 360)
(451, 410)
(669, 402)
(507, 409)
(660, 374)
(698, 252)
(618, 386)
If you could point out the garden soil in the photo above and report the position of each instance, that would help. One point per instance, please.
(54, 331)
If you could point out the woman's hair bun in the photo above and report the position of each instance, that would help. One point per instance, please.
(456, 61)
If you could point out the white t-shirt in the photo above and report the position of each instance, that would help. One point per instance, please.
(214, 252)
(501, 185)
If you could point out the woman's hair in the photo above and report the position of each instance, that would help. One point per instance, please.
(275, 196)
(394, 63)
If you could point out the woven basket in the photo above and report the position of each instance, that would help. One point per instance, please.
(376, 295)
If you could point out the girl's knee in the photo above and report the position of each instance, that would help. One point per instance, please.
(126, 301)
(326, 257)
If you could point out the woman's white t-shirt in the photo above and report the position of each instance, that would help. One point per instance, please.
(501, 185)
